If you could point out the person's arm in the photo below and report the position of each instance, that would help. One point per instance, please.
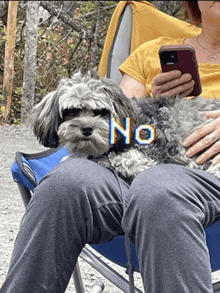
(164, 84)
(132, 87)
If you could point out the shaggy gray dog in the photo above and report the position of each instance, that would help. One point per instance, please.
(77, 114)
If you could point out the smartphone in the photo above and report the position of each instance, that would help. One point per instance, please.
(183, 58)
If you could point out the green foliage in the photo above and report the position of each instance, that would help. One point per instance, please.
(61, 51)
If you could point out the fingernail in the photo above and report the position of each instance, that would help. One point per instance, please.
(188, 76)
(199, 160)
(185, 142)
(188, 153)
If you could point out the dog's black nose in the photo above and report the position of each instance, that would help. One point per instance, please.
(87, 130)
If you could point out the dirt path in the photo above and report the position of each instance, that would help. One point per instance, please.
(20, 138)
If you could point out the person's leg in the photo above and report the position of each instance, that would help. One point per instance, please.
(168, 208)
(78, 202)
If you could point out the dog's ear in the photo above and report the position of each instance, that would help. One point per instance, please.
(45, 120)
(124, 107)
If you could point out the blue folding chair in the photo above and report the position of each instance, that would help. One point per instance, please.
(28, 169)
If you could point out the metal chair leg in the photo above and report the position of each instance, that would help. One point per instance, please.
(98, 287)
(102, 267)
(78, 279)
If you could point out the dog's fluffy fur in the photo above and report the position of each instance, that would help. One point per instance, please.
(77, 114)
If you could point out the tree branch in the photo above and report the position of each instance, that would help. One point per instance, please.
(99, 16)
(73, 23)
(92, 13)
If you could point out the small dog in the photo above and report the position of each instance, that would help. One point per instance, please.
(77, 114)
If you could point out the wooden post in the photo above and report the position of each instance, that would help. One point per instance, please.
(9, 58)
(27, 101)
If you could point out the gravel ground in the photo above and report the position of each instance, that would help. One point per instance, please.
(20, 138)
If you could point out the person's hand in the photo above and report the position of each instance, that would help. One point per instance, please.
(205, 137)
(212, 114)
(172, 83)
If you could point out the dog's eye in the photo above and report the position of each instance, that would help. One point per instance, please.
(101, 112)
(71, 112)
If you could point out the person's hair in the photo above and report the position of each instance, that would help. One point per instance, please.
(192, 11)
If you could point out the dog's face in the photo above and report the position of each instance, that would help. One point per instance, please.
(78, 115)
(85, 120)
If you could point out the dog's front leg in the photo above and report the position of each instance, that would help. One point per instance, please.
(131, 163)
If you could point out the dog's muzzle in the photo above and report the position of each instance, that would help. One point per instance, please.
(87, 130)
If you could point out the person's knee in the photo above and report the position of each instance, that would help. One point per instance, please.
(157, 194)
(156, 182)
(68, 182)
(74, 181)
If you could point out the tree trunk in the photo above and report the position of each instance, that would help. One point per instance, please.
(30, 59)
(9, 58)
(99, 17)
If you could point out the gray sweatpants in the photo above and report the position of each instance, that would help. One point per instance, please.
(79, 202)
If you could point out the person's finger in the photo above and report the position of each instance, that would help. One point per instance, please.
(172, 87)
(213, 150)
(187, 92)
(198, 134)
(165, 77)
(212, 114)
(182, 90)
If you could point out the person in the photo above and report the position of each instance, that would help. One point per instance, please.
(138, 76)
(167, 206)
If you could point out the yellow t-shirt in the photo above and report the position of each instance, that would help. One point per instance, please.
(144, 65)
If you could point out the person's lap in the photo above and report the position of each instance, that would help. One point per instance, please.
(81, 202)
